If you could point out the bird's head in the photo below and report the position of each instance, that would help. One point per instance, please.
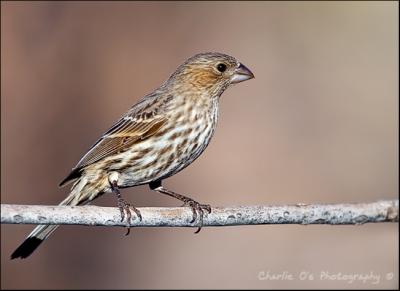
(211, 73)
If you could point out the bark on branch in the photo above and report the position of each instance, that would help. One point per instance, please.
(334, 214)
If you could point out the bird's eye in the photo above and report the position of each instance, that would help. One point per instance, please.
(221, 67)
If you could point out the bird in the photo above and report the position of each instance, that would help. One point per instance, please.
(160, 135)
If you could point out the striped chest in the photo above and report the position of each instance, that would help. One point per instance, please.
(170, 150)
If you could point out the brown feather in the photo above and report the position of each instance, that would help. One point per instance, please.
(121, 140)
(139, 123)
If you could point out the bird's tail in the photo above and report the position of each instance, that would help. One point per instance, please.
(42, 232)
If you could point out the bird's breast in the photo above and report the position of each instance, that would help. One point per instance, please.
(176, 145)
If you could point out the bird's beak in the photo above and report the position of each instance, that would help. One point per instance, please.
(241, 74)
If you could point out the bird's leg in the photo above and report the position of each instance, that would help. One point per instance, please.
(124, 206)
(197, 208)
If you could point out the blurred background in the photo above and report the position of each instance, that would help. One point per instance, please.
(318, 124)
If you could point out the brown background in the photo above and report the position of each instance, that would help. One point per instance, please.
(317, 124)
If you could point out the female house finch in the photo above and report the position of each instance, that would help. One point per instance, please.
(159, 136)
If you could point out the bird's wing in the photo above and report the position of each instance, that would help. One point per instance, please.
(120, 137)
(138, 124)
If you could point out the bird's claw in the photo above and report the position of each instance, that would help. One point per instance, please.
(198, 210)
(126, 207)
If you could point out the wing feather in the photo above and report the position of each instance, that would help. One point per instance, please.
(120, 139)
(141, 122)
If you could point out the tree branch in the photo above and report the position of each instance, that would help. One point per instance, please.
(334, 214)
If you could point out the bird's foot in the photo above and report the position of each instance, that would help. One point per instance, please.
(198, 211)
(126, 207)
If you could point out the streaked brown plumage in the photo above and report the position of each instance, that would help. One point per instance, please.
(159, 136)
